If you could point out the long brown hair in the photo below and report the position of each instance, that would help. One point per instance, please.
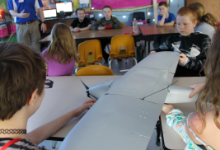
(62, 44)
(211, 90)
(202, 15)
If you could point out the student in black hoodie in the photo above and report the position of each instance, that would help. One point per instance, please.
(192, 46)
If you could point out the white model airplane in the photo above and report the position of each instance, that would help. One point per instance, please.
(127, 109)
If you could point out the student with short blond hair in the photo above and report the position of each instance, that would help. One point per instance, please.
(81, 23)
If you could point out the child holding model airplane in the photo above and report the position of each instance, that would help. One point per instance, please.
(201, 130)
(192, 46)
(22, 78)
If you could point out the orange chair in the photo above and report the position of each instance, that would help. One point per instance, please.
(94, 70)
(123, 24)
(90, 52)
(122, 46)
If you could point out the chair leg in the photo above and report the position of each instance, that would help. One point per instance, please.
(97, 63)
(109, 63)
(135, 60)
(76, 70)
(54, 144)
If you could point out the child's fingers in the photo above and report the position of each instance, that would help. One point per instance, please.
(192, 86)
(90, 101)
(193, 93)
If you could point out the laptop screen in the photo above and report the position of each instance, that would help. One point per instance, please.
(65, 6)
(51, 13)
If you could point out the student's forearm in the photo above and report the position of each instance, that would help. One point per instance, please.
(96, 25)
(14, 13)
(169, 24)
(161, 22)
(86, 28)
(41, 14)
(117, 25)
(42, 133)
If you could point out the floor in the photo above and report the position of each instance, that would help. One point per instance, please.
(119, 67)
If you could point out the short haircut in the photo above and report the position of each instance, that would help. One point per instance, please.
(163, 4)
(187, 11)
(80, 9)
(106, 6)
(22, 70)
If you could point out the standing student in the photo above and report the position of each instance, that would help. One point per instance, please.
(81, 23)
(192, 46)
(201, 129)
(107, 22)
(206, 21)
(22, 81)
(165, 18)
(61, 53)
(26, 19)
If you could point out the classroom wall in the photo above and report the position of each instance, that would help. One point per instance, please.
(126, 17)
(211, 6)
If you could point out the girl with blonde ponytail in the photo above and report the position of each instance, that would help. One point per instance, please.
(206, 21)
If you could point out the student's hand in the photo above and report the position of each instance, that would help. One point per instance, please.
(197, 87)
(101, 28)
(24, 15)
(167, 107)
(152, 52)
(46, 66)
(76, 29)
(84, 106)
(182, 59)
(43, 27)
(162, 14)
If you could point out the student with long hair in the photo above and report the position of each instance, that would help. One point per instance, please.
(205, 123)
(206, 21)
(61, 53)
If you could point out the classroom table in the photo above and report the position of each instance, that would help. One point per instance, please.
(170, 139)
(150, 32)
(67, 94)
(97, 34)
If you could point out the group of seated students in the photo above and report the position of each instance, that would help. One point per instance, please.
(196, 29)
(23, 74)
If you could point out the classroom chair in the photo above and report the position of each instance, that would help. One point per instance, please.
(122, 46)
(123, 24)
(89, 52)
(139, 16)
(94, 70)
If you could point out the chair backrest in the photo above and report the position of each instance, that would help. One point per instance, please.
(94, 70)
(139, 15)
(122, 41)
(123, 24)
(89, 52)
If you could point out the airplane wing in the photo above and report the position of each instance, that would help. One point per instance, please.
(124, 117)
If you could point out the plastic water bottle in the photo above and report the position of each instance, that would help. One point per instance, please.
(135, 27)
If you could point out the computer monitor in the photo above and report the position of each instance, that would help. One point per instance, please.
(50, 13)
(64, 6)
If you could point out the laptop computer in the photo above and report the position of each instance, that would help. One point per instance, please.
(50, 14)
